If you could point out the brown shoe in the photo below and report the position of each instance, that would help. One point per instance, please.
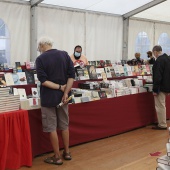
(67, 156)
(159, 128)
(53, 160)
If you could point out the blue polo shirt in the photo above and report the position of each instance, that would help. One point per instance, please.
(56, 66)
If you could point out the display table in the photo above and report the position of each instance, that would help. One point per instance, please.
(98, 119)
(15, 140)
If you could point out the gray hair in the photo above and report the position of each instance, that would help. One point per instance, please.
(157, 48)
(45, 41)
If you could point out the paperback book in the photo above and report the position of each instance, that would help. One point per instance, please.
(92, 71)
(30, 77)
(108, 72)
(9, 79)
(99, 72)
(22, 78)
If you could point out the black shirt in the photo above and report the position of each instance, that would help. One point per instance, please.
(152, 61)
(55, 66)
(161, 74)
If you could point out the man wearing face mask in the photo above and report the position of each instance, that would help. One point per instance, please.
(151, 58)
(78, 58)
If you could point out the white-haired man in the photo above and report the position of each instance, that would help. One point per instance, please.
(56, 73)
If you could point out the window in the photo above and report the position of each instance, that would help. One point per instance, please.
(4, 43)
(142, 44)
(164, 42)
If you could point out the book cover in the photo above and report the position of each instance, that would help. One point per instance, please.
(136, 70)
(22, 93)
(108, 72)
(144, 69)
(11, 91)
(80, 72)
(123, 62)
(86, 74)
(27, 65)
(125, 70)
(98, 63)
(9, 79)
(108, 63)
(117, 72)
(121, 70)
(32, 65)
(93, 63)
(15, 91)
(16, 79)
(38, 87)
(102, 94)
(112, 71)
(22, 78)
(148, 69)
(104, 77)
(92, 71)
(36, 78)
(17, 64)
(99, 72)
(30, 77)
(34, 92)
(33, 101)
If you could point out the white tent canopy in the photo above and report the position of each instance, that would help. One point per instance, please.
(159, 12)
(106, 6)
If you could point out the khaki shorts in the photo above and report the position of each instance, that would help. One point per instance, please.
(55, 118)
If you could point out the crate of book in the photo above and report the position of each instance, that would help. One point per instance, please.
(8, 102)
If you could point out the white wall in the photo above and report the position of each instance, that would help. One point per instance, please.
(99, 35)
(65, 27)
(104, 37)
(17, 19)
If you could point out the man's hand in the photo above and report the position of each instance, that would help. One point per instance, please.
(63, 87)
(155, 94)
(64, 98)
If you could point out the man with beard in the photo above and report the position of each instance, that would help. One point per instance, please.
(78, 58)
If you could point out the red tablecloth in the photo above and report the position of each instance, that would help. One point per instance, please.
(15, 140)
(99, 119)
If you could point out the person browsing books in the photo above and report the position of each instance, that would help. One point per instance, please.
(56, 73)
(78, 58)
(151, 58)
(136, 61)
(161, 85)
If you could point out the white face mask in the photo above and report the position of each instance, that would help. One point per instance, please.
(77, 54)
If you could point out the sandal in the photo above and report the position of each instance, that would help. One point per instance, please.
(67, 156)
(53, 160)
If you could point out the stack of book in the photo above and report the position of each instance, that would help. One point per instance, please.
(164, 161)
(8, 102)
